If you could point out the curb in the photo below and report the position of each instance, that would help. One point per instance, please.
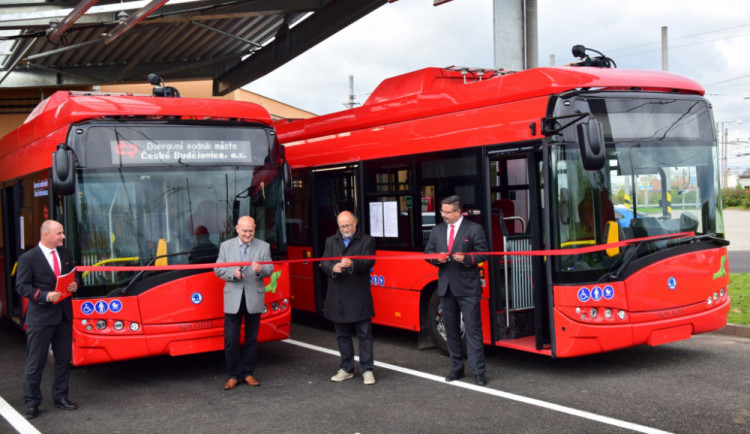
(735, 330)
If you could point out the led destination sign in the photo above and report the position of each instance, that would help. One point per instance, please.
(145, 152)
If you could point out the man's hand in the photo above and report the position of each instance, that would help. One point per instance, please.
(238, 274)
(459, 257)
(53, 296)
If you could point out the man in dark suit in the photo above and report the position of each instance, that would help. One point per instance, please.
(459, 286)
(244, 298)
(349, 300)
(48, 320)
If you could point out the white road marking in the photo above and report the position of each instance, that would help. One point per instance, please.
(14, 418)
(498, 393)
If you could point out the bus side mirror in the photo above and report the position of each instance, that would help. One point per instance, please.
(591, 143)
(63, 171)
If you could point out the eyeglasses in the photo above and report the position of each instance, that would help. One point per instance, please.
(346, 226)
(447, 212)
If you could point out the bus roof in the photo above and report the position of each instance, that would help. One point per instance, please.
(48, 123)
(434, 91)
(64, 108)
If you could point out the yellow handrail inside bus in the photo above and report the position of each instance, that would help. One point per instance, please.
(110, 260)
(578, 243)
(612, 231)
(161, 250)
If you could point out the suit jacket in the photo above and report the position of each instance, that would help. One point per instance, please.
(252, 285)
(463, 278)
(348, 298)
(35, 278)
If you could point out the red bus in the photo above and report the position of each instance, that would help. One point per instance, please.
(544, 159)
(141, 181)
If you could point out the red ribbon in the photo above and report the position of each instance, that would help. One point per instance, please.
(408, 256)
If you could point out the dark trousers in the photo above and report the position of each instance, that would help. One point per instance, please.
(453, 307)
(241, 358)
(363, 329)
(38, 340)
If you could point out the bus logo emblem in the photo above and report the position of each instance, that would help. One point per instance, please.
(584, 294)
(672, 283)
(196, 298)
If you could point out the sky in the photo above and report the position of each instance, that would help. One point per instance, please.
(709, 42)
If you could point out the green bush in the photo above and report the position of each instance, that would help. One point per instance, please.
(736, 197)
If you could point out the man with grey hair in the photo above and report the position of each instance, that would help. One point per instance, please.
(349, 300)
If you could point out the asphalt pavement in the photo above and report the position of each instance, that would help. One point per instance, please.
(695, 386)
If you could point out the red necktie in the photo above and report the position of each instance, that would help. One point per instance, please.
(450, 239)
(55, 265)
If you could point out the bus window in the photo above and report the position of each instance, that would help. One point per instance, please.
(389, 181)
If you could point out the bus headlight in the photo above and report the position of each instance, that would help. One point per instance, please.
(134, 326)
(118, 325)
(101, 324)
(593, 312)
(716, 296)
(608, 313)
(710, 301)
(621, 314)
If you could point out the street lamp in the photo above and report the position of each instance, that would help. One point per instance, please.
(723, 151)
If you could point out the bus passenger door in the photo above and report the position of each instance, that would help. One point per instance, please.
(10, 251)
(333, 191)
(515, 213)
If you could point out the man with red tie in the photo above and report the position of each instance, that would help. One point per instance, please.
(48, 319)
(459, 286)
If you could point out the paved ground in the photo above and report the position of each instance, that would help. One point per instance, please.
(695, 386)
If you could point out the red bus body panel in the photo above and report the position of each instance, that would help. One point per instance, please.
(655, 312)
(185, 327)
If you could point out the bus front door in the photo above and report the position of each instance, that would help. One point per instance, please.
(516, 314)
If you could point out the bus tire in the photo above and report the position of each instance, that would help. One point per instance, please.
(436, 325)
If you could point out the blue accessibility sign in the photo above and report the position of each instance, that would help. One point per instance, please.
(596, 293)
(584, 294)
(87, 308)
(609, 292)
(101, 306)
(115, 306)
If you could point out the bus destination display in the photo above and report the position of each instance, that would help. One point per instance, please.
(145, 152)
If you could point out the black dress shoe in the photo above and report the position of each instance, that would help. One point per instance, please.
(480, 379)
(65, 404)
(455, 375)
(32, 411)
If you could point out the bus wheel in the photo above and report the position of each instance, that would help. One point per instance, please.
(437, 326)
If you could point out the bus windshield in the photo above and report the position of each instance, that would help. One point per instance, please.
(132, 216)
(660, 178)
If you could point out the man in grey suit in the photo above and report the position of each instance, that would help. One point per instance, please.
(459, 287)
(244, 295)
